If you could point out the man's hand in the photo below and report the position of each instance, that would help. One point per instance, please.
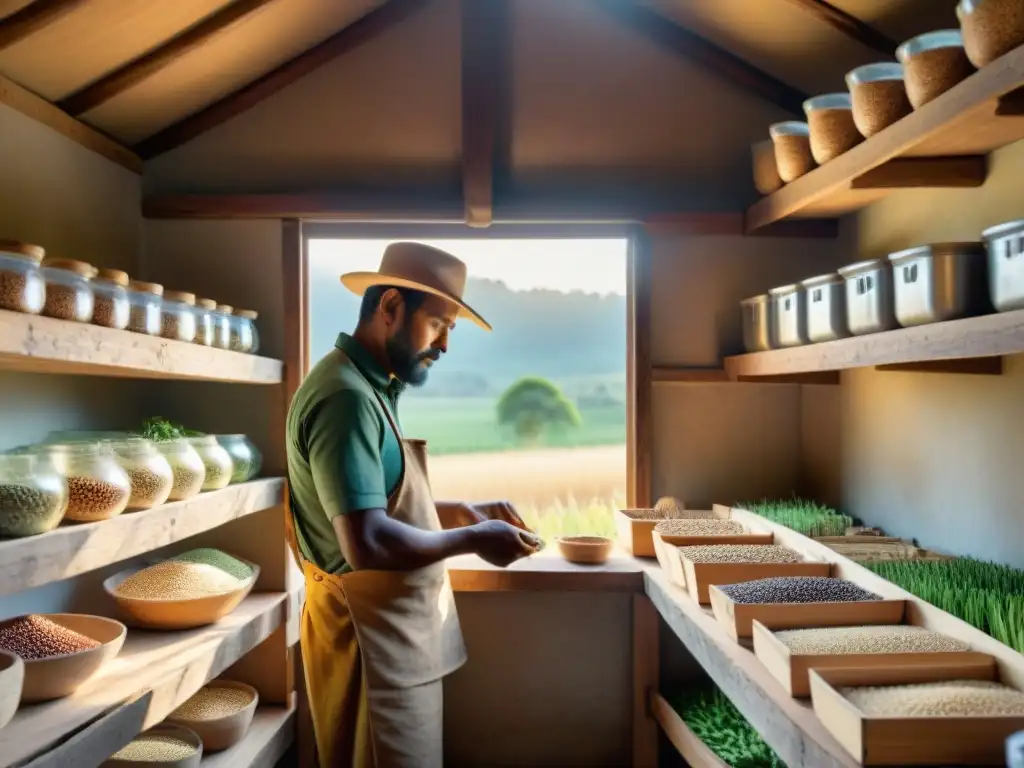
(501, 544)
(457, 514)
(500, 510)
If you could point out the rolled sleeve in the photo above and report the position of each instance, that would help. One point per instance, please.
(344, 439)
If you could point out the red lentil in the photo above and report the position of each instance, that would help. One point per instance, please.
(36, 637)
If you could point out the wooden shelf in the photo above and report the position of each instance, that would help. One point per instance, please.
(668, 375)
(694, 751)
(37, 344)
(154, 673)
(268, 738)
(939, 347)
(72, 549)
(938, 145)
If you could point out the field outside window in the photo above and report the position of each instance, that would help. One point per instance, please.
(556, 445)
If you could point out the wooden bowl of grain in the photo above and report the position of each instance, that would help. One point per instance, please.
(220, 713)
(146, 605)
(60, 651)
(166, 745)
(588, 550)
(12, 676)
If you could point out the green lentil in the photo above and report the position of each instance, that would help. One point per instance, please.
(155, 748)
(218, 559)
(27, 511)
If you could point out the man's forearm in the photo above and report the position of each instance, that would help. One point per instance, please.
(387, 544)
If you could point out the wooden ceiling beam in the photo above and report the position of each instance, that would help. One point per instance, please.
(682, 42)
(151, 62)
(369, 27)
(32, 18)
(485, 38)
(851, 26)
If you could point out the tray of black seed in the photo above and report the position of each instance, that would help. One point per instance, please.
(698, 567)
(635, 527)
(796, 602)
(790, 654)
(913, 716)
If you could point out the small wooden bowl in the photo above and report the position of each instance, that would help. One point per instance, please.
(59, 676)
(222, 732)
(165, 729)
(177, 614)
(589, 550)
(12, 676)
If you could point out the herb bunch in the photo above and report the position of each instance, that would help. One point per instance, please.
(716, 722)
(159, 429)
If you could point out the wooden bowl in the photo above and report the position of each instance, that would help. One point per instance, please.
(177, 614)
(223, 732)
(59, 676)
(589, 550)
(12, 676)
(165, 729)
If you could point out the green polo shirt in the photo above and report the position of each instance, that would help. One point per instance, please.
(343, 455)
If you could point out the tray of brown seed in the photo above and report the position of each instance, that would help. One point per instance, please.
(635, 527)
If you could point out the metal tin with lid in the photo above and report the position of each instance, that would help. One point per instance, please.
(757, 325)
(940, 281)
(1005, 245)
(788, 319)
(825, 304)
(869, 307)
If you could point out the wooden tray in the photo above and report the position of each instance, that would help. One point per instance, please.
(696, 753)
(737, 618)
(792, 672)
(636, 536)
(910, 740)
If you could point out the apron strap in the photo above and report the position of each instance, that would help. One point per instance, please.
(289, 529)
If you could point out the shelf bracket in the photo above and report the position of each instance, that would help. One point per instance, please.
(979, 366)
(811, 377)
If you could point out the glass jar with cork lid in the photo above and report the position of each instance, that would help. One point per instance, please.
(204, 321)
(148, 471)
(22, 286)
(179, 316)
(69, 294)
(244, 337)
(222, 326)
(111, 307)
(98, 488)
(33, 495)
(144, 303)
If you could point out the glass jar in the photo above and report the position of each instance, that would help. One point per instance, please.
(111, 299)
(248, 339)
(204, 321)
(245, 457)
(98, 488)
(144, 302)
(33, 496)
(22, 287)
(69, 295)
(148, 471)
(216, 461)
(222, 326)
(179, 316)
(187, 468)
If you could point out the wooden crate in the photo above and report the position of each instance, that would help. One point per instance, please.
(637, 536)
(694, 751)
(910, 740)
(738, 618)
(792, 671)
(666, 550)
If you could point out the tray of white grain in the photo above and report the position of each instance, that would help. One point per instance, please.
(698, 567)
(796, 602)
(192, 589)
(790, 654)
(634, 527)
(946, 715)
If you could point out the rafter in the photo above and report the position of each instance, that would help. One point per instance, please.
(32, 18)
(683, 42)
(851, 26)
(148, 64)
(484, 86)
(369, 27)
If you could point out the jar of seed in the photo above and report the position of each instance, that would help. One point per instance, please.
(144, 302)
(22, 287)
(111, 299)
(179, 316)
(248, 337)
(222, 326)
(33, 495)
(149, 472)
(216, 461)
(98, 488)
(187, 468)
(204, 321)
(245, 457)
(69, 295)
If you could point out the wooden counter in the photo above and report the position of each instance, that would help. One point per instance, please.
(547, 571)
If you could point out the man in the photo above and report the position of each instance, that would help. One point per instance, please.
(379, 628)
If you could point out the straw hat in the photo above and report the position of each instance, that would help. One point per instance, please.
(422, 268)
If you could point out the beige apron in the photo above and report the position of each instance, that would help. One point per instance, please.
(376, 644)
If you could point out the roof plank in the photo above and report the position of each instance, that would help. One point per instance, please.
(850, 25)
(33, 17)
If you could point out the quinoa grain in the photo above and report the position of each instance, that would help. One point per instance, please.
(155, 748)
(90, 499)
(187, 483)
(212, 703)
(35, 637)
(149, 488)
(739, 553)
(896, 638)
(953, 698)
(177, 580)
(696, 527)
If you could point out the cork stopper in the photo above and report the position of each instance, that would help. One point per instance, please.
(225, 308)
(206, 303)
(71, 265)
(25, 250)
(140, 287)
(115, 276)
(182, 296)
(248, 314)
